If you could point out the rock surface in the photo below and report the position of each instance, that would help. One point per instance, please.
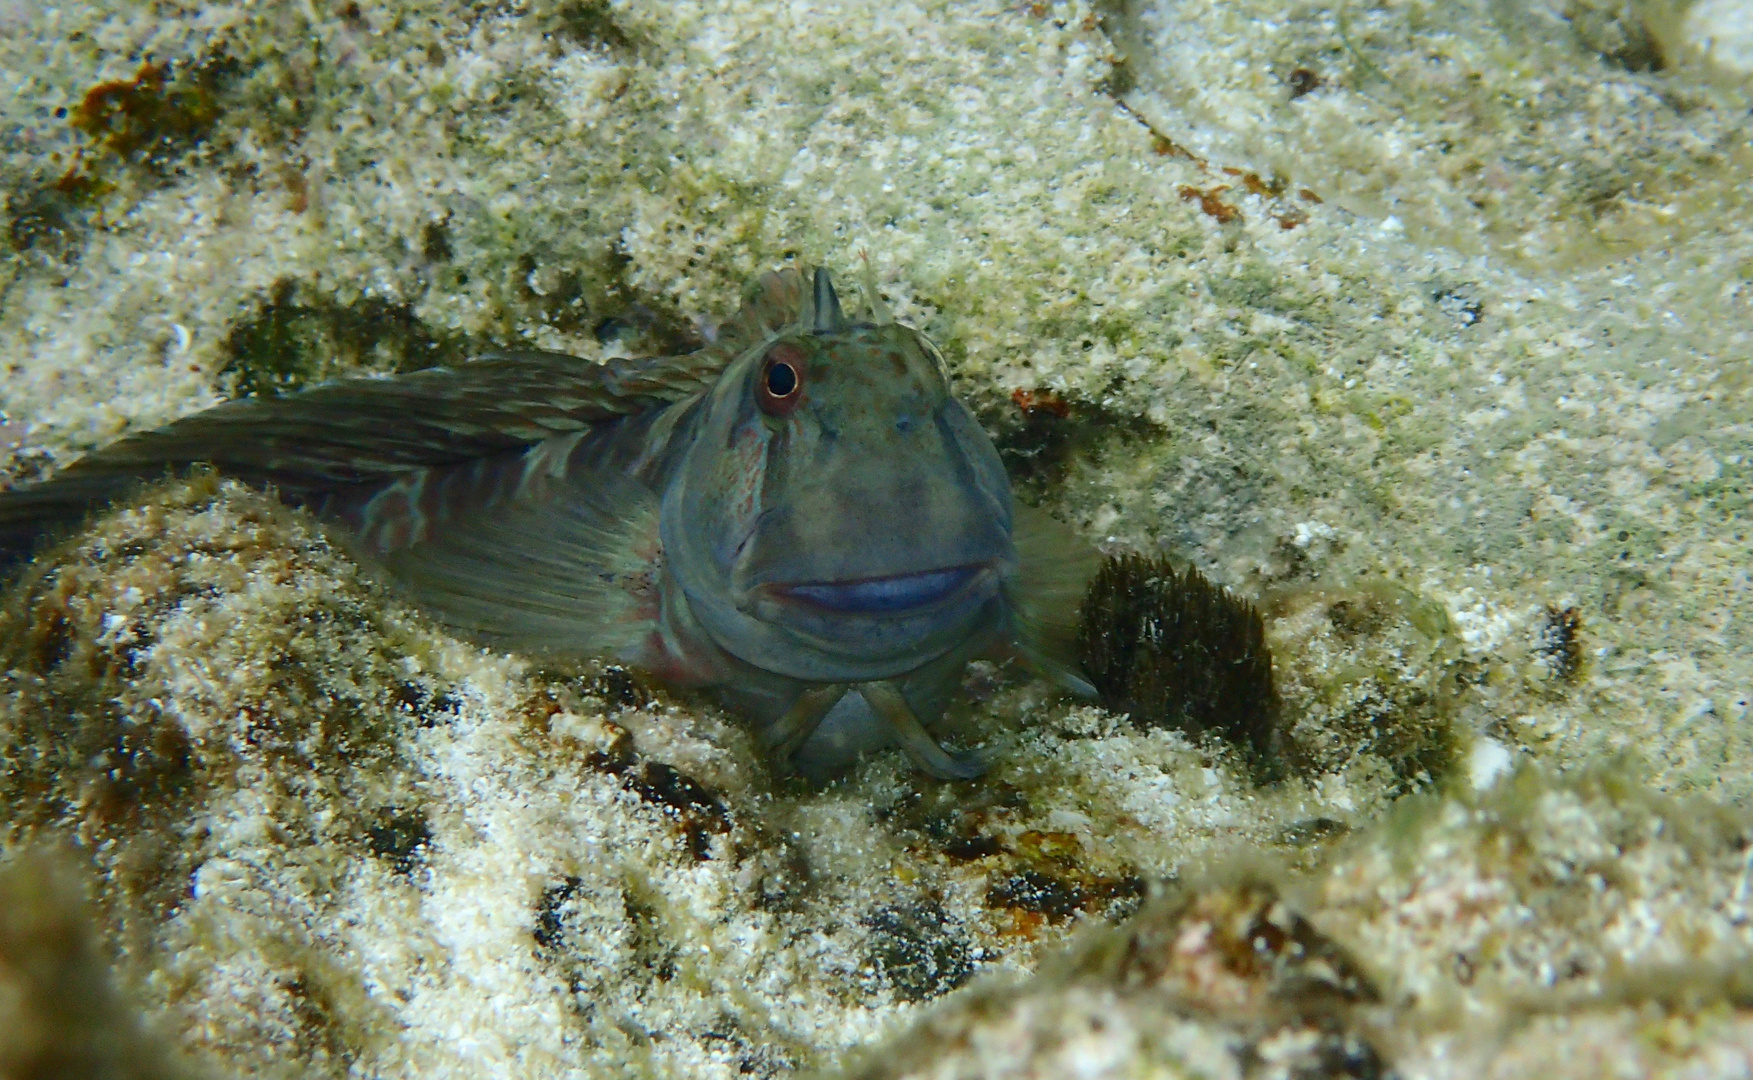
(1424, 326)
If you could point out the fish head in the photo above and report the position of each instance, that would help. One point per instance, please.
(839, 514)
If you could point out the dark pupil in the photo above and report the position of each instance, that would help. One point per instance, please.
(781, 380)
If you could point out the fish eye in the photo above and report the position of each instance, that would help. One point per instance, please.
(781, 384)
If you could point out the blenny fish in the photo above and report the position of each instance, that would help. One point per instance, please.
(800, 516)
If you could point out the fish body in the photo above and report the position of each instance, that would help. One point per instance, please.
(801, 516)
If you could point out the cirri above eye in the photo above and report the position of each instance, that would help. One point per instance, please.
(781, 380)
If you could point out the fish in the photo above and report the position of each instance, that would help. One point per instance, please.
(801, 517)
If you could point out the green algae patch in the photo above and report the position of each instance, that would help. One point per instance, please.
(295, 341)
(1370, 682)
(300, 336)
(592, 24)
(1042, 434)
(1170, 648)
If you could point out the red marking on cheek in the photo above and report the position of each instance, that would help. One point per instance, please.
(677, 662)
(660, 661)
(749, 453)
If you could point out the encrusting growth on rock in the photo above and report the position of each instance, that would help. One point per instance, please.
(1173, 649)
(1559, 642)
(59, 1014)
(1226, 974)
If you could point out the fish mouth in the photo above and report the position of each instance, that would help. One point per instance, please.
(879, 595)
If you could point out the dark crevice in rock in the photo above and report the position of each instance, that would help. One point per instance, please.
(1041, 434)
(698, 809)
(917, 952)
(399, 837)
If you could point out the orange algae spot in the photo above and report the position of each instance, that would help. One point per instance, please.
(1167, 147)
(1251, 180)
(1269, 189)
(1034, 402)
(1210, 203)
(1050, 845)
(1023, 924)
(145, 113)
(145, 119)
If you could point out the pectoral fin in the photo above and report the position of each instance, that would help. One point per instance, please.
(1055, 567)
(792, 730)
(572, 571)
(886, 700)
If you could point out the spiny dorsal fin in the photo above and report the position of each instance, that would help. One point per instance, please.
(368, 429)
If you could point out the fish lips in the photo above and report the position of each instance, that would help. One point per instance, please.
(877, 615)
(890, 594)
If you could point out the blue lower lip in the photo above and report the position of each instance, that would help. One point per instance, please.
(876, 596)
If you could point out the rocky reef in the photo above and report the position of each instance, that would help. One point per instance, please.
(1421, 328)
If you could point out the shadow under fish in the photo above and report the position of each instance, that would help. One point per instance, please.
(800, 516)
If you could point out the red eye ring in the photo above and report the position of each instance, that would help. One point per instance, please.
(780, 385)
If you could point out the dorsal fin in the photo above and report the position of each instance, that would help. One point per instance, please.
(873, 299)
(361, 430)
(772, 302)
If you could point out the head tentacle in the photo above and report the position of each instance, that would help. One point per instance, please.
(829, 319)
(873, 300)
